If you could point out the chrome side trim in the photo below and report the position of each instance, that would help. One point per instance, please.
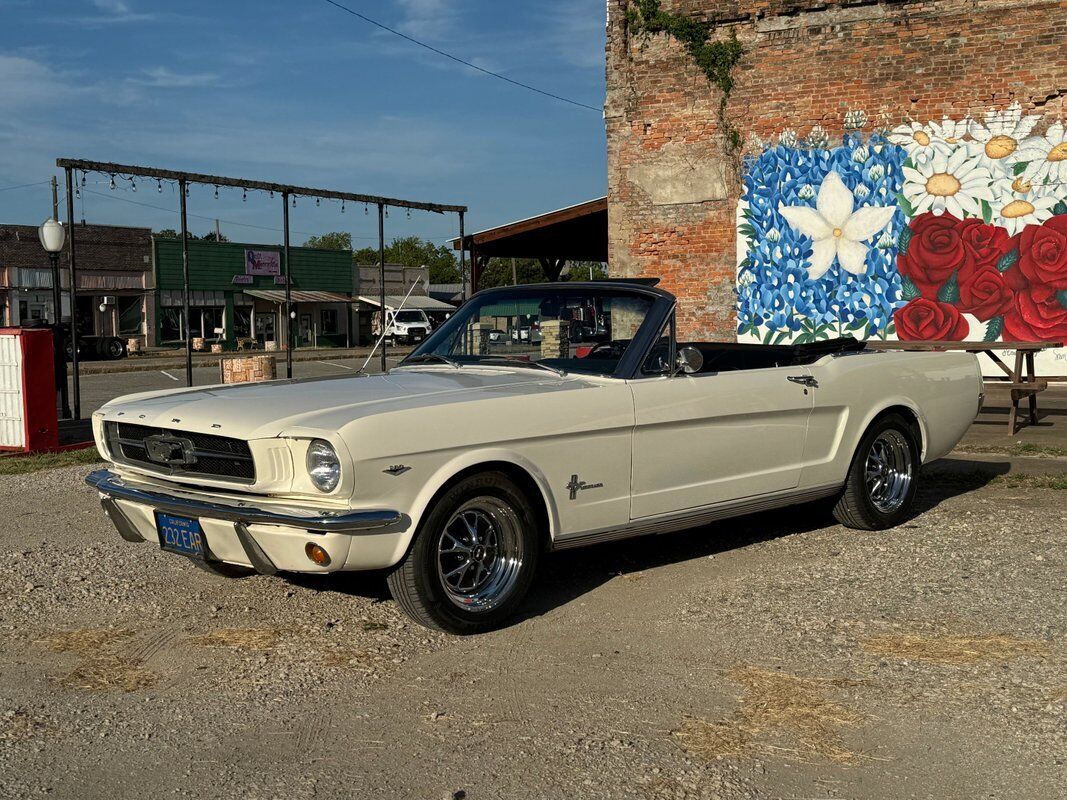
(692, 518)
(112, 486)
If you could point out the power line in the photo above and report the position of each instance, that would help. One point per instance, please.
(459, 60)
(22, 186)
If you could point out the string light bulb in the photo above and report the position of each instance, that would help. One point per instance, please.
(294, 201)
(342, 206)
(133, 184)
(244, 195)
(366, 211)
(216, 192)
(159, 185)
(112, 183)
(272, 193)
(409, 213)
(316, 202)
(83, 178)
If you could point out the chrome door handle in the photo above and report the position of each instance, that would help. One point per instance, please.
(804, 380)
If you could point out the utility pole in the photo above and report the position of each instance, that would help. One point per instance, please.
(55, 198)
(514, 273)
(218, 232)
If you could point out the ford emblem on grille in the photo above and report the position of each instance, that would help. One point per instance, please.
(170, 450)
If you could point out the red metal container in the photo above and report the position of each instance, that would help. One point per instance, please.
(28, 419)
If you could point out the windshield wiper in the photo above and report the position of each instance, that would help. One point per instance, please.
(518, 362)
(432, 357)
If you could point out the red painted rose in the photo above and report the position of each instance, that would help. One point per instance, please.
(985, 293)
(1031, 321)
(986, 243)
(928, 319)
(1043, 257)
(934, 253)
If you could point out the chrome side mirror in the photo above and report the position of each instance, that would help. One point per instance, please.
(689, 360)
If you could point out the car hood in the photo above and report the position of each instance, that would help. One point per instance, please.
(262, 410)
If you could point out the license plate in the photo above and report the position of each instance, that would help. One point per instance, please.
(180, 535)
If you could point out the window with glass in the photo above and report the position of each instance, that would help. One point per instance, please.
(579, 329)
(328, 321)
(130, 315)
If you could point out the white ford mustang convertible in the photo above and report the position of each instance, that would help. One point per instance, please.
(458, 468)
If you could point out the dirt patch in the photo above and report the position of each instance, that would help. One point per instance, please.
(21, 725)
(1058, 695)
(775, 705)
(952, 649)
(261, 639)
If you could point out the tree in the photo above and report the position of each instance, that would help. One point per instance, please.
(336, 240)
(529, 270)
(170, 233)
(411, 251)
(212, 237)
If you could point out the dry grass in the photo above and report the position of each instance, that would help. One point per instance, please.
(101, 669)
(109, 672)
(240, 638)
(952, 649)
(35, 462)
(775, 705)
(88, 642)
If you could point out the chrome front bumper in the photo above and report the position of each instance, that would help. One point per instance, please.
(241, 513)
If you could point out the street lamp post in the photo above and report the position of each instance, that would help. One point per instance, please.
(53, 237)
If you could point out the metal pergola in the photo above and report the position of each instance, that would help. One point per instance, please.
(286, 191)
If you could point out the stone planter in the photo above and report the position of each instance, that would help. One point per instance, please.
(133, 346)
(270, 346)
(248, 369)
(198, 343)
(216, 347)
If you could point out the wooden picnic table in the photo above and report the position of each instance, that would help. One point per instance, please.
(1020, 379)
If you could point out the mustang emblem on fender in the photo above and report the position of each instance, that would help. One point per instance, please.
(396, 469)
(576, 486)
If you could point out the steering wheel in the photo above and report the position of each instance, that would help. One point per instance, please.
(606, 350)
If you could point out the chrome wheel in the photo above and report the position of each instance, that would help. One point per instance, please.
(479, 554)
(888, 471)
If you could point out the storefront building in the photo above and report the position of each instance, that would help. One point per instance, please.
(114, 280)
(237, 294)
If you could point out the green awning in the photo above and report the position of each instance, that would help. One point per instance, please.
(511, 308)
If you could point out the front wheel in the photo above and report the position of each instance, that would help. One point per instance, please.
(880, 489)
(473, 557)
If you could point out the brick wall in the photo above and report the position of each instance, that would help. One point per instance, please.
(673, 192)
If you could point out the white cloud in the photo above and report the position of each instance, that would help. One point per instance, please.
(576, 31)
(428, 19)
(111, 12)
(164, 78)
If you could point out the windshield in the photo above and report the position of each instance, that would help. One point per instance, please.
(576, 329)
(410, 316)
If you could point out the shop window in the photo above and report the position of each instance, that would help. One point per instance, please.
(170, 324)
(328, 321)
(130, 315)
(242, 322)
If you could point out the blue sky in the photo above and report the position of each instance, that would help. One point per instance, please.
(298, 91)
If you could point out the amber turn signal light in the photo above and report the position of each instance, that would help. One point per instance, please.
(317, 554)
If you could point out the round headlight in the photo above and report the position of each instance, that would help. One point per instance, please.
(323, 466)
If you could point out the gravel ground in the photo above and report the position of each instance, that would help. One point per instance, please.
(775, 656)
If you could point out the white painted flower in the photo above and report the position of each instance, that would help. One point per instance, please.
(1018, 205)
(836, 230)
(862, 191)
(788, 138)
(886, 241)
(998, 138)
(1046, 171)
(950, 131)
(855, 118)
(806, 192)
(955, 183)
(918, 142)
(861, 154)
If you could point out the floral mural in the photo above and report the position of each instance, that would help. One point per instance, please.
(946, 230)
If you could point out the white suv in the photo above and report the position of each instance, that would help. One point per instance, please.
(408, 326)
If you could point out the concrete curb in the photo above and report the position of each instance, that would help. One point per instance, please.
(992, 464)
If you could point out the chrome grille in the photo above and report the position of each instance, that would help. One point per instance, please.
(203, 453)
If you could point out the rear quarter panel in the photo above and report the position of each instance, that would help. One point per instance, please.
(941, 389)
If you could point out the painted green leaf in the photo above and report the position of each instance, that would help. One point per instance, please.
(1007, 261)
(1060, 208)
(908, 290)
(905, 206)
(781, 337)
(769, 336)
(950, 292)
(904, 240)
(1061, 297)
(891, 329)
(747, 230)
(1020, 167)
(994, 329)
(987, 212)
(908, 163)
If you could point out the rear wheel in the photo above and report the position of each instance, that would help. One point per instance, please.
(114, 349)
(880, 489)
(473, 558)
